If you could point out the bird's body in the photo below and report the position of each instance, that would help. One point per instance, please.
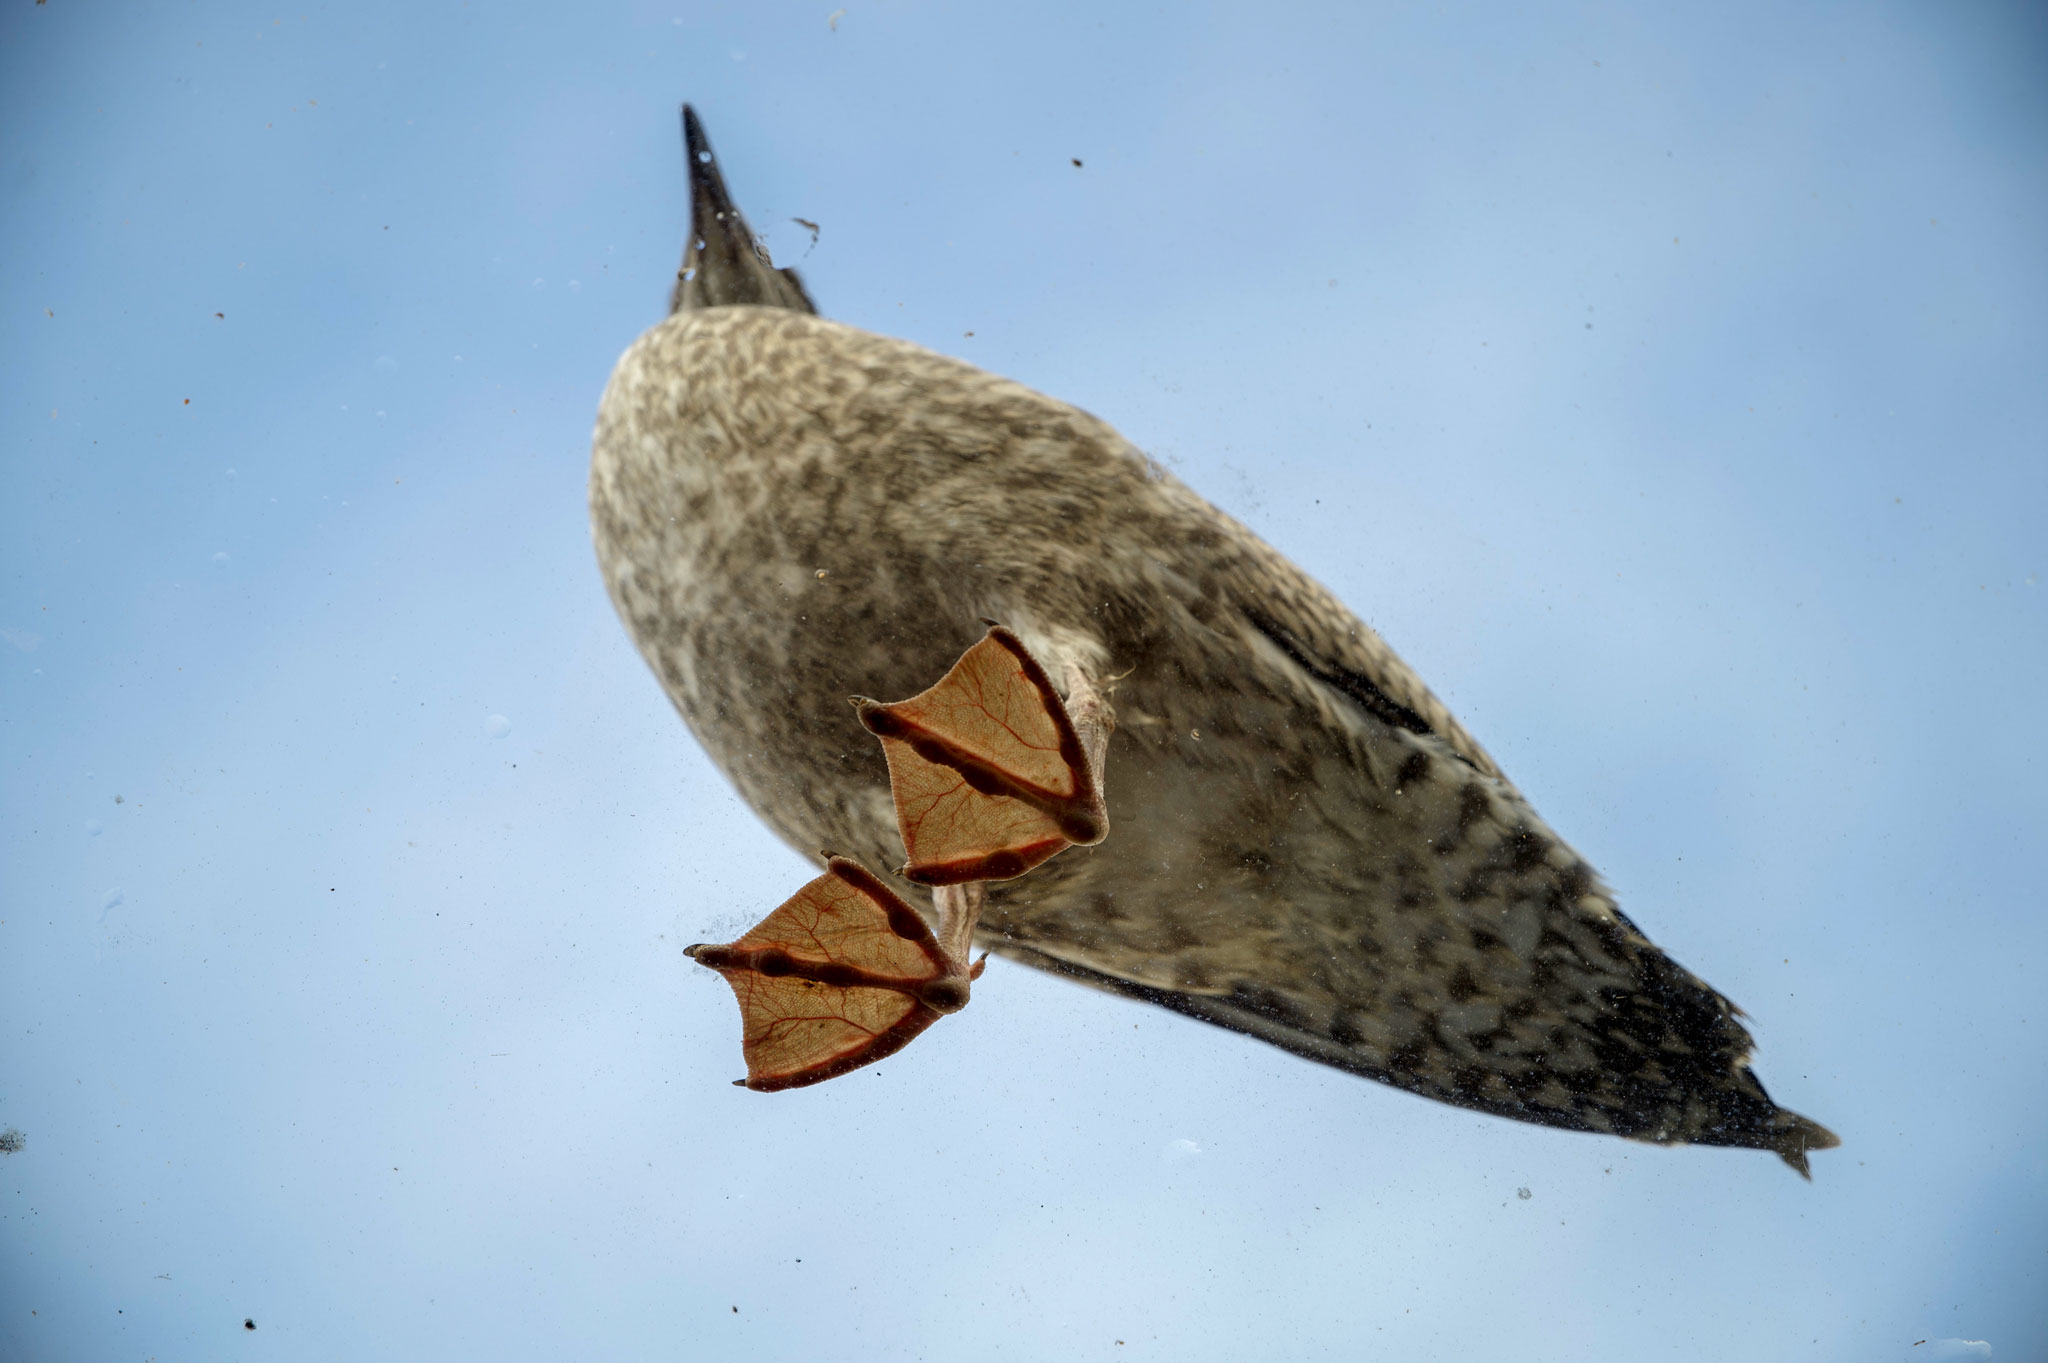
(1305, 845)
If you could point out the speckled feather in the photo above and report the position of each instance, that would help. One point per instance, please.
(1305, 846)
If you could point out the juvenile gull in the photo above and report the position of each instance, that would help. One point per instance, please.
(1307, 846)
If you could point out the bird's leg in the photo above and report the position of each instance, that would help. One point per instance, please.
(1088, 708)
(959, 909)
(990, 771)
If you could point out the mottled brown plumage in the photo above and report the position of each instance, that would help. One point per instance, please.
(1306, 846)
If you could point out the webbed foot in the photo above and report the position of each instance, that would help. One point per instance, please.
(990, 774)
(842, 975)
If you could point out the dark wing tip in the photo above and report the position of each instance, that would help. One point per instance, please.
(1799, 1135)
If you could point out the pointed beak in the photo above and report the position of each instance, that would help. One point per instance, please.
(723, 262)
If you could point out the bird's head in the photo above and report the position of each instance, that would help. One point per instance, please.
(724, 263)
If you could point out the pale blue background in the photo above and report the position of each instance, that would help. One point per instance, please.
(1671, 391)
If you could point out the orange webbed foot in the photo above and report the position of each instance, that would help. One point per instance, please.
(990, 773)
(842, 975)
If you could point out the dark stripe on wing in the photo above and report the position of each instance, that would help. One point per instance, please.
(1359, 687)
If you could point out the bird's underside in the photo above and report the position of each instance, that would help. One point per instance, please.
(1307, 847)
